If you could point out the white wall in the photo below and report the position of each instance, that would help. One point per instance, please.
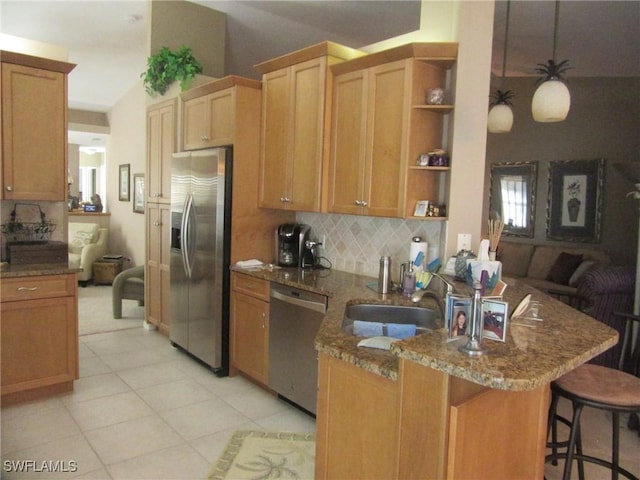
(127, 145)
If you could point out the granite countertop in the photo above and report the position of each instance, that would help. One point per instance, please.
(13, 271)
(532, 356)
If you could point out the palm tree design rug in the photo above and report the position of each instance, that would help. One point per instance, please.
(263, 455)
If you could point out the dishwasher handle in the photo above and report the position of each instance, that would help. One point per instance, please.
(301, 302)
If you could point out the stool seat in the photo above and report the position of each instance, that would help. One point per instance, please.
(602, 385)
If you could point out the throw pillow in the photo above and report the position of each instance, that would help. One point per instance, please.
(564, 266)
(79, 241)
(584, 266)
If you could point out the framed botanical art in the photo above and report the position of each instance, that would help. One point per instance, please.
(123, 188)
(138, 193)
(574, 205)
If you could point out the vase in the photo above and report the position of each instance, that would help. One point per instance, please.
(573, 205)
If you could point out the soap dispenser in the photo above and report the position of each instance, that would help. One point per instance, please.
(409, 281)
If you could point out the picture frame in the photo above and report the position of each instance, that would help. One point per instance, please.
(513, 196)
(138, 193)
(495, 318)
(123, 186)
(422, 206)
(574, 204)
(458, 306)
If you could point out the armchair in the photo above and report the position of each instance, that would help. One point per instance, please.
(128, 285)
(87, 243)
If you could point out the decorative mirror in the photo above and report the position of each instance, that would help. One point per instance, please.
(513, 196)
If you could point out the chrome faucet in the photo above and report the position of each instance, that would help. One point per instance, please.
(438, 296)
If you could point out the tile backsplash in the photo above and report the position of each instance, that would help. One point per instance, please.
(356, 243)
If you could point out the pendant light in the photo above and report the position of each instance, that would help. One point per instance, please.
(500, 114)
(552, 99)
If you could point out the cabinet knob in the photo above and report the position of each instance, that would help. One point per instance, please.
(157, 224)
(263, 319)
(363, 203)
(27, 289)
(359, 203)
(9, 188)
(285, 199)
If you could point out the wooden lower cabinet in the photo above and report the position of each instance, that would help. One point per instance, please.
(157, 269)
(39, 336)
(425, 425)
(249, 318)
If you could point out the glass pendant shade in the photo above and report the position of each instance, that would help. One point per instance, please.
(551, 102)
(500, 119)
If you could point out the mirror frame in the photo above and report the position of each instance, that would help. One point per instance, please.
(529, 170)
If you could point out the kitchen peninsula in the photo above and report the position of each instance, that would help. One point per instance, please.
(425, 410)
(39, 330)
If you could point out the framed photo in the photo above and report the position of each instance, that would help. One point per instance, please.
(138, 193)
(574, 207)
(458, 315)
(123, 189)
(513, 196)
(422, 206)
(423, 160)
(494, 314)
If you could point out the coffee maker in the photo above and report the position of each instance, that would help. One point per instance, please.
(290, 244)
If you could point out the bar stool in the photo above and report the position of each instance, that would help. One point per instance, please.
(600, 387)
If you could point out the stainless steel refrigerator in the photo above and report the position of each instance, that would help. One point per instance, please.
(200, 252)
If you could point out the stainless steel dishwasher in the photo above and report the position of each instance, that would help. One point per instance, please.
(294, 318)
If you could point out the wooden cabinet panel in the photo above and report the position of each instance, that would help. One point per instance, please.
(161, 141)
(194, 118)
(348, 143)
(32, 288)
(292, 136)
(369, 134)
(34, 133)
(357, 423)
(250, 335)
(38, 336)
(209, 120)
(274, 155)
(157, 274)
(386, 154)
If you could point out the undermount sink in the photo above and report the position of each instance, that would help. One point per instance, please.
(425, 319)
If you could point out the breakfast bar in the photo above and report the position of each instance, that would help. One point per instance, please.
(425, 410)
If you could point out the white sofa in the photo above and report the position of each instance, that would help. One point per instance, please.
(87, 243)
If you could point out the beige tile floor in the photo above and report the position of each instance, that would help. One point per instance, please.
(144, 410)
(140, 410)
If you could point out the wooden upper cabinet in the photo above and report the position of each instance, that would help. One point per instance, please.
(380, 127)
(34, 128)
(161, 144)
(296, 113)
(368, 141)
(209, 120)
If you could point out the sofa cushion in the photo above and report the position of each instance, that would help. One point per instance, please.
(564, 266)
(545, 256)
(515, 258)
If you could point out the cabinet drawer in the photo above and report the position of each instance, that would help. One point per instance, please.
(31, 288)
(252, 286)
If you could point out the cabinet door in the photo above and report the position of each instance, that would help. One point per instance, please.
(357, 422)
(161, 141)
(157, 266)
(39, 343)
(250, 335)
(308, 84)
(194, 123)
(221, 114)
(346, 174)
(34, 134)
(384, 175)
(275, 155)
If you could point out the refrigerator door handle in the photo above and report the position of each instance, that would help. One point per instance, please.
(184, 238)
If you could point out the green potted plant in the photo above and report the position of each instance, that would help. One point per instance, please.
(167, 66)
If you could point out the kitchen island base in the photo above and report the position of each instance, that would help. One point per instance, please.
(426, 424)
